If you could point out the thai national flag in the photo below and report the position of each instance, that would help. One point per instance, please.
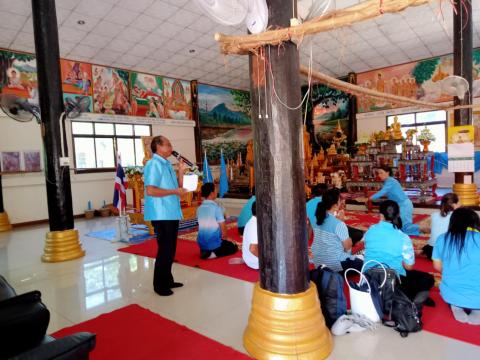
(119, 194)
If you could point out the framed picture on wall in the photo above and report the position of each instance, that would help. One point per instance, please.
(32, 161)
(10, 161)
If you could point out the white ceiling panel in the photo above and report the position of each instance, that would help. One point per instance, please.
(157, 35)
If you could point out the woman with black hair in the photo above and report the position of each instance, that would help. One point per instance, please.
(386, 243)
(440, 220)
(331, 243)
(392, 189)
(456, 255)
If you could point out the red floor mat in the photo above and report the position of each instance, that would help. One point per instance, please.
(133, 332)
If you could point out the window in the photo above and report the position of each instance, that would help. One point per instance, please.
(435, 120)
(95, 144)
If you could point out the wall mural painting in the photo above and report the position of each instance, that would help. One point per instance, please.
(85, 102)
(18, 75)
(110, 91)
(177, 99)
(225, 122)
(331, 109)
(419, 80)
(147, 95)
(76, 77)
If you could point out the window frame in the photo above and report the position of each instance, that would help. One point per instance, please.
(419, 125)
(114, 137)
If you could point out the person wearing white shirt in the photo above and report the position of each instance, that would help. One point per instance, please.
(250, 240)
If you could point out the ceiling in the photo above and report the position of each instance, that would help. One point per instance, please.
(157, 36)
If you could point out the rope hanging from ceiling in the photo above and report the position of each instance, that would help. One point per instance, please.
(244, 44)
(361, 91)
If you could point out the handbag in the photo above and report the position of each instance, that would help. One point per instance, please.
(365, 297)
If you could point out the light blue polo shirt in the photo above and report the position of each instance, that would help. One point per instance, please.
(459, 285)
(388, 245)
(312, 209)
(246, 212)
(327, 247)
(439, 226)
(392, 189)
(159, 172)
(209, 215)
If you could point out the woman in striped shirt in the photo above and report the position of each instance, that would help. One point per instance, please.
(331, 243)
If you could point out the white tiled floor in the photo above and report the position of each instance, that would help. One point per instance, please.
(211, 304)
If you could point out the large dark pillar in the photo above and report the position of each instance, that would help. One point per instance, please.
(1, 196)
(462, 66)
(285, 321)
(279, 168)
(57, 178)
(196, 118)
(352, 115)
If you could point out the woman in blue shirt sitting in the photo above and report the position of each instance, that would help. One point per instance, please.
(393, 191)
(456, 255)
(387, 244)
(440, 220)
(331, 243)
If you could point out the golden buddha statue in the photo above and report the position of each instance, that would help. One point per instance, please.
(339, 136)
(396, 129)
(332, 150)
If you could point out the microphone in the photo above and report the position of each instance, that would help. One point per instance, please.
(180, 157)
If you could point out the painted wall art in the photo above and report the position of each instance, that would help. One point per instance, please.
(76, 77)
(18, 75)
(10, 161)
(147, 95)
(32, 161)
(224, 121)
(177, 99)
(110, 91)
(420, 80)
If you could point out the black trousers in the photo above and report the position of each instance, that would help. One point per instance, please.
(226, 248)
(416, 282)
(355, 234)
(428, 251)
(166, 231)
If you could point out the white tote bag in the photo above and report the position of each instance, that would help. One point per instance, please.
(361, 301)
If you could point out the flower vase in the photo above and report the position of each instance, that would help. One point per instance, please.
(425, 144)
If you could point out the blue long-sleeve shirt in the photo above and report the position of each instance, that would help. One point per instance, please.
(392, 190)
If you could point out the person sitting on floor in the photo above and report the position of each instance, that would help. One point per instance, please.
(211, 227)
(456, 255)
(246, 213)
(386, 243)
(317, 192)
(331, 243)
(439, 221)
(250, 240)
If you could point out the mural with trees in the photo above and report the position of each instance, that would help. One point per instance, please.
(18, 75)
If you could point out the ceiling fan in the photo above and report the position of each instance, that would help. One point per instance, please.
(231, 13)
(75, 106)
(455, 86)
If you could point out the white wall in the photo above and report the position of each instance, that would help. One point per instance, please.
(25, 197)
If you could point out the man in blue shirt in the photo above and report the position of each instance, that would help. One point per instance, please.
(162, 208)
(211, 227)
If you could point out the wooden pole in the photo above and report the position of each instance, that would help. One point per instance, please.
(62, 241)
(286, 321)
(462, 66)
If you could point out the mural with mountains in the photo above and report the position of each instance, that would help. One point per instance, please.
(225, 121)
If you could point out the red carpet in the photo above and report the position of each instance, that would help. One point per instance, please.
(363, 220)
(439, 320)
(188, 254)
(133, 332)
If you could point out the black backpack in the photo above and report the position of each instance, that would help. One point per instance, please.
(405, 313)
(330, 292)
(376, 275)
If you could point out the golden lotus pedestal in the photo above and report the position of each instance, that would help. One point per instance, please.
(4, 222)
(467, 194)
(62, 246)
(287, 327)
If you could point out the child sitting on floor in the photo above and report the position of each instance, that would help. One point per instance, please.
(211, 227)
(250, 240)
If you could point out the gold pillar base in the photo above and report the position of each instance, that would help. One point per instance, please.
(62, 246)
(287, 327)
(4, 222)
(467, 194)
